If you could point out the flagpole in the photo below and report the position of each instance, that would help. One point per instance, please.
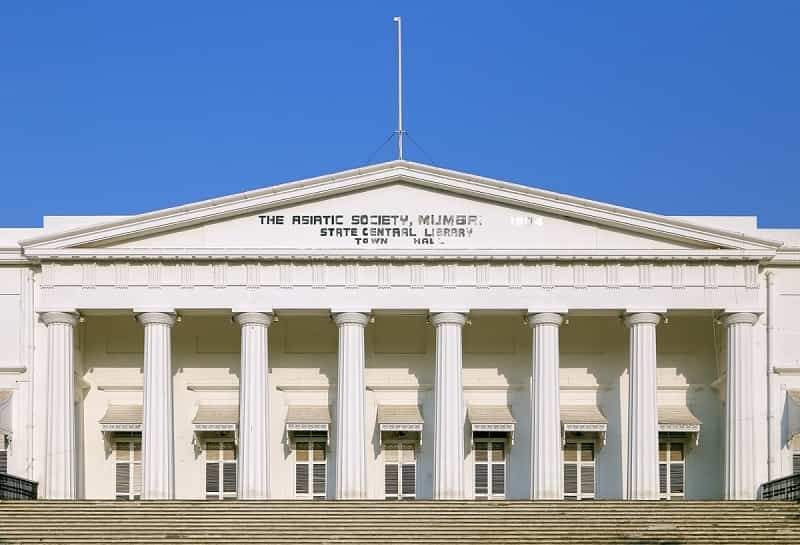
(399, 22)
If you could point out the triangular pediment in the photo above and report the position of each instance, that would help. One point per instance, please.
(395, 207)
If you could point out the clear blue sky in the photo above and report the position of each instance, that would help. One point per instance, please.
(679, 107)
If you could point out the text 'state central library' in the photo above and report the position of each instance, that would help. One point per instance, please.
(399, 332)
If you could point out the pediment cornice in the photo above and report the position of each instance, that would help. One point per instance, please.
(708, 240)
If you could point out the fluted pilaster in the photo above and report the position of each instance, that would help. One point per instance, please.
(253, 461)
(351, 440)
(448, 440)
(546, 456)
(158, 443)
(60, 471)
(740, 463)
(642, 407)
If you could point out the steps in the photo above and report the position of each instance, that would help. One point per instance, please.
(387, 523)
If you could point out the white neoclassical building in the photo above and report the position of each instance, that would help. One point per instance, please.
(396, 332)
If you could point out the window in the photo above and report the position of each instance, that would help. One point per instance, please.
(671, 470)
(490, 466)
(400, 470)
(795, 463)
(579, 470)
(220, 470)
(3, 454)
(128, 466)
(311, 468)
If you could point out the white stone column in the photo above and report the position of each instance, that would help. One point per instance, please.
(642, 407)
(351, 433)
(253, 461)
(60, 471)
(448, 431)
(740, 463)
(158, 440)
(547, 467)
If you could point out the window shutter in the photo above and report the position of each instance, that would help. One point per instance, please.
(137, 480)
(498, 479)
(123, 478)
(229, 477)
(662, 478)
(391, 480)
(587, 479)
(571, 479)
(319, 479)
(481, 479)
(796, 463)
(3, 460)
(301, 478)
(212, 478)
(409, 479)
(676, 478)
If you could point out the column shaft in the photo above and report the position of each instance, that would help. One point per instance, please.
(60, 471)
(642, 408)
(351, 439)
(546, 457)
(740, 463)
(158, 443)
(253, 460)
(448, 442)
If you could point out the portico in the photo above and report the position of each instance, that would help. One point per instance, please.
(611, 353)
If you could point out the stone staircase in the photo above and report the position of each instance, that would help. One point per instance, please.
(385, 523)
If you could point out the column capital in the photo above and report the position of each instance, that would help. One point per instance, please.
(148, 318)
(254, 318)
(730, 318)
(69, 317)
(542, 318)
(355, 318)
(448, 317)
(644, 317)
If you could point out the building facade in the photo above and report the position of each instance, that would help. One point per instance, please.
(398, 332)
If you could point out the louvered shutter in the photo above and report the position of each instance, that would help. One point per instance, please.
(676, 478)
(391, 480)
(481, 470)
(212, 478)
(123, 479)
(587, 480)
(229, 477)
(3, 461)
(409, 480)
(571, 480)
(137, 481)
(498, 479)
(319, 480)
(796, 463)
(301, 479)
(662, 478)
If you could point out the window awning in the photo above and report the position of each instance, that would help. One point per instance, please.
(308, 418)
(122, 418)
(5, 413)
(586, 418)
(677, 418)
(399, 418)
(491, 418)
(216, 418)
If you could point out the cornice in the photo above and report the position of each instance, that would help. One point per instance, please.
(245, 254)
(405, 172)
